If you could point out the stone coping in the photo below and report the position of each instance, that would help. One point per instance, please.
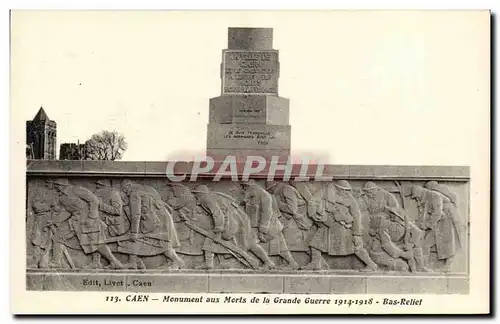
(252, 272)
(213, 282)
(158, 169)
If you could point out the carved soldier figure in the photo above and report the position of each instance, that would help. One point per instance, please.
(440, 235)
(263, 211)
(377, 199)
(184, 206)
(396, 242)
(293, 208)
(152, 229)
(84, 223)
(450, 207)
(111, 212)
(340, 231)
(111, 208)
(43, 205)
(231, 229)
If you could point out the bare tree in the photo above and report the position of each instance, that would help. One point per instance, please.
(105, 145)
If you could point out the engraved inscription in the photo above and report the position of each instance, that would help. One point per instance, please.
(250, 72)
(249, 113)
(260, 137)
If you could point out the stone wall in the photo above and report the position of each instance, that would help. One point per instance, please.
(378, 226)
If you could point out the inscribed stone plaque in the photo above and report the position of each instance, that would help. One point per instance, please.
(250, 72)
(257, 136)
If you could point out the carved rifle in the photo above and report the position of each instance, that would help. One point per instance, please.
(407, 227)
(68, 257)
(128, 236)
(45, 257)
(233, 201)
(235, 251)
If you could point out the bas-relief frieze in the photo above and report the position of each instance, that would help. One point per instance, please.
(147, 223)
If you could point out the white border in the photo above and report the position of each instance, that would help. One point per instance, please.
(187, 4)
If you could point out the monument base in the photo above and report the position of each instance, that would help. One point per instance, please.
(342, 256)
(228, 281)
(248, 140)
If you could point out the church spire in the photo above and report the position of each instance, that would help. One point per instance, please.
(41, 136)
(41, 115)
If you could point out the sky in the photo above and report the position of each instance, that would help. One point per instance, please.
(365, 87)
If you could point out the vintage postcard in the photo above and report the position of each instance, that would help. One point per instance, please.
(250, 162)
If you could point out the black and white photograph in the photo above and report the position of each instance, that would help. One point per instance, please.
(250, 162)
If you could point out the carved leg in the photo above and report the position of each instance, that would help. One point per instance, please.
(448, 265)
(96, 261)
(45, 259)
(209, 261)
(261, 254)
(324, 265)
(113, 261)
(401, 266)
(134, 262)
(427, 244)
(316, 260)
(363, 256)
(222, 263)
(292, 264)
(418, 254)
(178, 263)
(57, 254)
(412, 263)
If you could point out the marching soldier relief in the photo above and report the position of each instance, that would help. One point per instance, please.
(265, 221)
(356, 226)
(135, 222)
(402, 224)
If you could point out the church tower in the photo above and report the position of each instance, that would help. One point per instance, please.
(41, 137)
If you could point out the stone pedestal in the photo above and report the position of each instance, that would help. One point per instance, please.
(249, 118)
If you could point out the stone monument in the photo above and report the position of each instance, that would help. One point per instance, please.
(249, 117)
(127, 226)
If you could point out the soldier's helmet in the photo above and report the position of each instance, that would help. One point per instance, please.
(179, 189)
(271, 184)
(369, 186)
(104, 182)
(343, 184)
(432, 185)
(250, 182)
(61, 182)
(126, 185)
(416, 191)
(202, 189)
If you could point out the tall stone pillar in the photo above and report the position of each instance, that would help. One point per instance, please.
(249, 118)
